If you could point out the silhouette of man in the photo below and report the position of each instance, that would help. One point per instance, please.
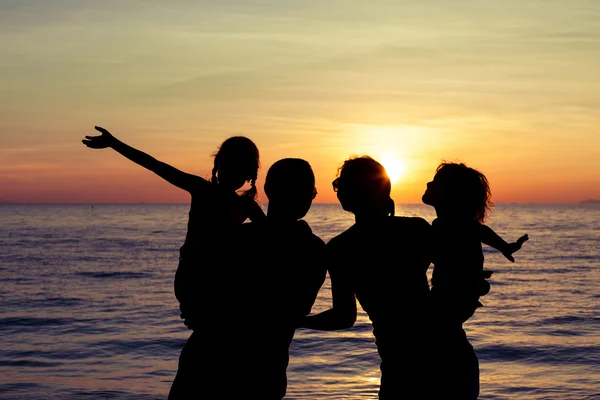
(250, 296)
(382, 261)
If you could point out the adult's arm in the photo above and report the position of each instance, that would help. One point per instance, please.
(343, 313)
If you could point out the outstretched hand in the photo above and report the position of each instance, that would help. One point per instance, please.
(514, 247)
(101, 141)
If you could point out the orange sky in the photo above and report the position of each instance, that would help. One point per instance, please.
(511, 88)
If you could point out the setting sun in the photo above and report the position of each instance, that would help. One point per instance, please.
(394, 167)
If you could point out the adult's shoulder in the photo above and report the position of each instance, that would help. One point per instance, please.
(413, 223)
(318, 241)
(342, 239)
(315, 240)
(303, 229)
(242, 234)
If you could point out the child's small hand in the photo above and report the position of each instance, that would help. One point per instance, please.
(514, 247)
(99, 142)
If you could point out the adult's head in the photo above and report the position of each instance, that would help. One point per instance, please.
(363, 187)
(459, 191)
(235, 163)
(290, 188)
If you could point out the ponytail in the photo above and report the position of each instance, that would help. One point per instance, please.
(391, 206)
(252, 192)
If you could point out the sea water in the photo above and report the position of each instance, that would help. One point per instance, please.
(88, 310)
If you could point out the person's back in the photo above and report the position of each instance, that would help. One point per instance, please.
(381, 261)
(385, 263)
(272, 297)
(263, 282)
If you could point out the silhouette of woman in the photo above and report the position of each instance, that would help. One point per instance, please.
(381, 261)
(462, 199)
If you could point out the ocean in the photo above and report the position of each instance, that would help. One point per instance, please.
(88, 310)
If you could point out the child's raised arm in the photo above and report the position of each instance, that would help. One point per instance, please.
(172, 175)
(491, 238)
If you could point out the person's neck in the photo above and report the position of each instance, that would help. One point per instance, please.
(440, 213)
(449, 214)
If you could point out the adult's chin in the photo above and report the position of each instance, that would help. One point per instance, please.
(425, 199)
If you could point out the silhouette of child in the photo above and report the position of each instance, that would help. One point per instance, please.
(215, 203)
(462, 200)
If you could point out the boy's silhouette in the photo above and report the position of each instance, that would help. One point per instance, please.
(244, 314)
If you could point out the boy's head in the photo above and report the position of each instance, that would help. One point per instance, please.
(290, 187)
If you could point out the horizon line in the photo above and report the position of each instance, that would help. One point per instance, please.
(315, 203)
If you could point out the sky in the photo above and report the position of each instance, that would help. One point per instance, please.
(511, 88)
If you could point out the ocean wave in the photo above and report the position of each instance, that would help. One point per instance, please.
(568, 270)
(22, 390)
(552, 256)
(570, 319)
(561, 332)
(115, 274)
(45, 302)
(16, 279)
(144, 346)
(28, 363)
(555, 355)
(76, 327)
(11, 322)
(109, 394)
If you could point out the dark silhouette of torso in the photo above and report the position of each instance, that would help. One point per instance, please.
(458, 281)
(250, 294)
(228, 210)
(385, 262)
(458, 277)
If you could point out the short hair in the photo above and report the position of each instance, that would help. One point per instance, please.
(365, 170)
(289, 178)
(366, 182)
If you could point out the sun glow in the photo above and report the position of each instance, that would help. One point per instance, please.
(395, 167)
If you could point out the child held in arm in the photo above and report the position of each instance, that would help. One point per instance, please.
(215, 206)
(462, 200)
